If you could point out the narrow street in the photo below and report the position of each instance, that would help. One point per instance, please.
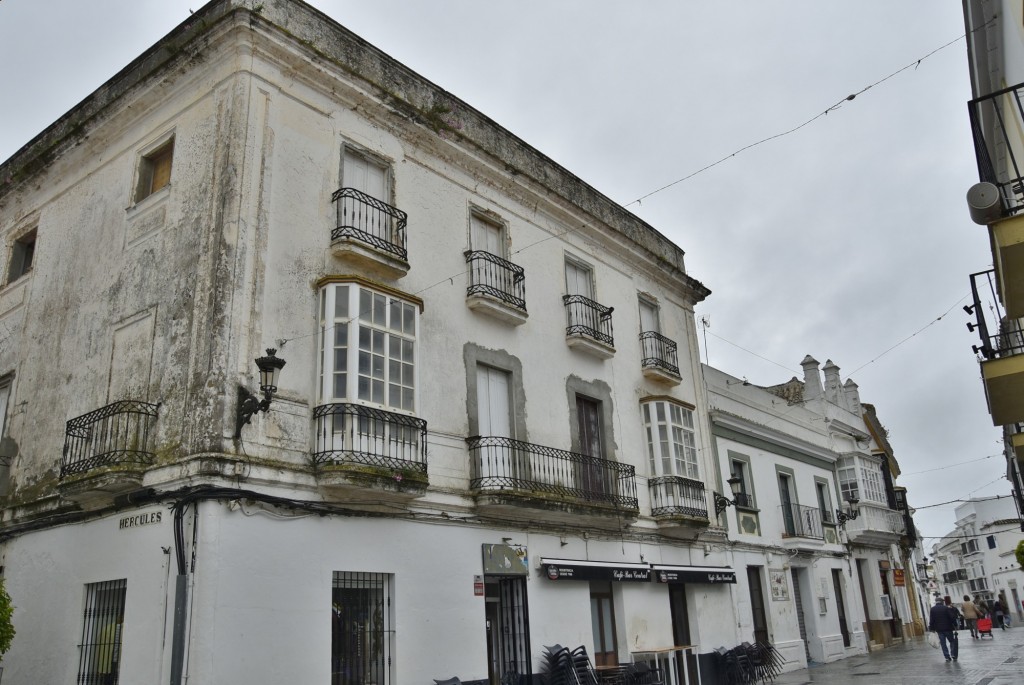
(999, 661)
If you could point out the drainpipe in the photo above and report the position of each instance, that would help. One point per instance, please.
(180, 592)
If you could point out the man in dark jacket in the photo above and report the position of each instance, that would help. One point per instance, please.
(942, 620)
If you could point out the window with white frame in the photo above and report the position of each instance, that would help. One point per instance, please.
(671, 444)
(861, 479)
(367, 347)
(362, 628)
(102, 630)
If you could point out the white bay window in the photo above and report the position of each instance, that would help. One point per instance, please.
(367, 347)
(671, 445)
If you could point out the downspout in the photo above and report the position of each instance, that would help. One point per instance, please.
(180, 593)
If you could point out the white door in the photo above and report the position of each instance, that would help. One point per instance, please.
(365, 176)
(486, 236)
(578, 280)
(494, 420)
(648, 317)
(362, 174)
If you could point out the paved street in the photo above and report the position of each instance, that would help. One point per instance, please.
(999, 661)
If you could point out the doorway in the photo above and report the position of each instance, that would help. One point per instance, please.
(508, 627)
(757, 610)
(801, 621)
(837, 586)
(588, 416)
(681, 629)
(602, 619)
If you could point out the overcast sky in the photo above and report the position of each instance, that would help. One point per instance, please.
(839, 240)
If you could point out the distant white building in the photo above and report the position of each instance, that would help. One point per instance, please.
(977, 557)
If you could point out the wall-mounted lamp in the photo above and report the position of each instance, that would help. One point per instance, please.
(850, 514)
(969, 308)
(270, 369)
(722, 502)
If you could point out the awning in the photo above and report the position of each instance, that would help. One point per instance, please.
(573, 569)
(664, 573)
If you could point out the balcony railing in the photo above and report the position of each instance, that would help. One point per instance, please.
(1008, 340)
(366, 219)
(117, 434)
(801, 522)
(586, 317)
(499, 463)
(876, 518)
(745, 500)
(997, 120)
(496, 277)
(659, 352)
(678, 496)
(355, 434)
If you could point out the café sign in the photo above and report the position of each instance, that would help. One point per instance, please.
(570, 569)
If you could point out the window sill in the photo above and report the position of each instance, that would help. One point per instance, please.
(149, 200)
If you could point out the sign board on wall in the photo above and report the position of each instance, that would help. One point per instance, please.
(564, 569)
(143, 519)
(779, 584)
(897, 578)
(505, 560)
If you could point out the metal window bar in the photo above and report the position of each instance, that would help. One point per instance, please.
(515, 629)
(586, 317)
(1000, 115)
(362, 632)
(99, 661)
(356, 434)
(658, 351)
(675, 496)
(801, 521)
(495, 277)
(118, 433)
(364, 218)
(499, 463)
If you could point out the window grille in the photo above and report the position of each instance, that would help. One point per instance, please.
(102, 628)
(362, 633)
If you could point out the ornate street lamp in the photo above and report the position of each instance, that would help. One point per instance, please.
(722, 502)
(270, 370)
(850, 514)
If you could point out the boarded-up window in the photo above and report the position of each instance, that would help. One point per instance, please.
(155, 170)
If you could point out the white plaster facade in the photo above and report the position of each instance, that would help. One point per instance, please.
(158, 302)
(800, 449)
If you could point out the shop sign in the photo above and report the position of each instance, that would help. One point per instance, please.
(478, 586)
(567, 569)
(137, 520)
(897, 577)
(883, 564)
(505, 560)
(694, 574)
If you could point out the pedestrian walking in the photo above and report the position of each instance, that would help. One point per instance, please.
(942, 620)
(997, 611)
(971, 615)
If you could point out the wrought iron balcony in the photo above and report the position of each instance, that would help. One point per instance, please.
(588, 318)
(492, 276)
(115, 435)
(658, 352)
(678, 496)
(353, 434)
(745, 500)
(365, 219)
(502, 464)
(1001, 339)
(801, 521)
(996, 121)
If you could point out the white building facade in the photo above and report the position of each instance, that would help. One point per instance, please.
(489, 433)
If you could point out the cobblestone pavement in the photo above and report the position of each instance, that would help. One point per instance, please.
(999, 661)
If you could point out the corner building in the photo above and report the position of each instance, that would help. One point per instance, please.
(489, 434)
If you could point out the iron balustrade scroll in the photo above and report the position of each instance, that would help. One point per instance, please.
(586, 317)
(495, 277)
(1009, 340)
(116, 434)
(658, 351)
(745, 500)
(498, 463)
(801, 521)
(678, 496)
(365, 218)
(1002, 114)
(356, 434)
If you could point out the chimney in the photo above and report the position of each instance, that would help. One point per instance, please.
(812, 379)
(852, 395)
(833, 386)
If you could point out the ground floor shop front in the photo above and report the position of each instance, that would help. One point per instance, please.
(237, 590)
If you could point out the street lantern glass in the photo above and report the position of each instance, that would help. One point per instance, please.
(734, 485)
(270, 370)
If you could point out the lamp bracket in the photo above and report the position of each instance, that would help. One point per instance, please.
(248, 405)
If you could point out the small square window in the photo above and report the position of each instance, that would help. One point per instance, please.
(23, 253)
(155, 171)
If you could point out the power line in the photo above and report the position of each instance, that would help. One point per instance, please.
(949, 466)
